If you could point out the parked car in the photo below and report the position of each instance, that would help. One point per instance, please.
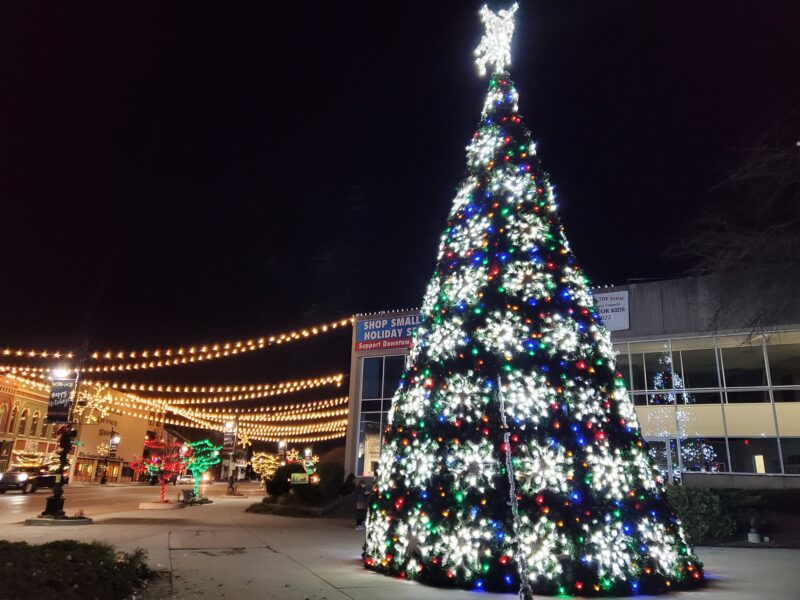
(27, 479)
(185, 479)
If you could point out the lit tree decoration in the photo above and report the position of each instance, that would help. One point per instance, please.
(202, 455)
(512, 457)
(165, 460)
(264, 465)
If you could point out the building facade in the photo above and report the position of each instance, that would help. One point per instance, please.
(713, 393)
(106, 442)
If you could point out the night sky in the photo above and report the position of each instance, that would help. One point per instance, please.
(177, 174)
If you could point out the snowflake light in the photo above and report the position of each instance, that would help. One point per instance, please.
(494, 49)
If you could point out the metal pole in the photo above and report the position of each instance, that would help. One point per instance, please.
(54, 507)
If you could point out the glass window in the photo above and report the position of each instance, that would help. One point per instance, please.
(392, 371)
(34, 423)
(704, 455)
(786, 395)
(371, 406)
(369, 444)
(661, 398)
(748, 396)
(11, 420)
(659, 370)
(639, 399)
(699, 398)
(623, 366)
(23, 420)
(699, 368)
(784, 364)
(744, 366)
(372, 378)
(637, 371)
(791, 455)
(2, 416)
(754, 455)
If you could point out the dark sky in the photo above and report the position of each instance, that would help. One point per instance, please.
(171, 173)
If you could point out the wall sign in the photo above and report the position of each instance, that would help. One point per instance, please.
(384, 333)
(613, 309)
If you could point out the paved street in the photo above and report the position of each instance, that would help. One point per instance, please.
(219, 551)
(94, 499)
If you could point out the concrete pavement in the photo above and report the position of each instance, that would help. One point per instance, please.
(219, 551)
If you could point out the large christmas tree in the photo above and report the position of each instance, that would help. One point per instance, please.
(512, 458)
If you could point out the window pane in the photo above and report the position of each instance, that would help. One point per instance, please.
(754, 455)
(699, 368)
(392, 370)
(371, 406)
(751, 396)
(784, 364)
(640, 400)
(699, 398)
(623, 366)
(786, 395)
(387, 405)
(637, 368)
(791, 455)
(744, 366)
(369, 444)
(704, 454)
(373, 377)
(659, 370)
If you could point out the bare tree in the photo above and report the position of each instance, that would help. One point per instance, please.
(748, 236)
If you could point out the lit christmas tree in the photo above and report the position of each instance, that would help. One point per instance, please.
(512, 456)
(202, 456)
(694, 455)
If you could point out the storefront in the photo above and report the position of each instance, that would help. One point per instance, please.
(710, 399)
(380, 344)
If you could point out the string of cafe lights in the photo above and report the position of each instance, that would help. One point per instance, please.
(257, 391)
(143, 407)
(182, 355)
(283, 416)
(230, 413)
(293, 385)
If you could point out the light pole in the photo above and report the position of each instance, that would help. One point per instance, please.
(54, 506)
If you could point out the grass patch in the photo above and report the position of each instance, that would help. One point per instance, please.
(70, 570)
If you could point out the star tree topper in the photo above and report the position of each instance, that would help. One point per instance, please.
(495, 46)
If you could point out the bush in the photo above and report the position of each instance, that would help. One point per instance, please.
(701, 513)
(307, 493)
(67, 570)
(280, 482)
(331, 476)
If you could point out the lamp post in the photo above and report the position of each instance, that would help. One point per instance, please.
(54, 506)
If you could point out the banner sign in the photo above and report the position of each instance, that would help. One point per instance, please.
(228, 441)
(385, 333)
(60, 400)
(613, 309)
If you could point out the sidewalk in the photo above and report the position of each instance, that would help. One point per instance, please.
(219, 551)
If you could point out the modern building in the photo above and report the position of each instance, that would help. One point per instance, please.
(715, 381)
(107, 439)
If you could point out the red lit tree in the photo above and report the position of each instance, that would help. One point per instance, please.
(164, 461)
